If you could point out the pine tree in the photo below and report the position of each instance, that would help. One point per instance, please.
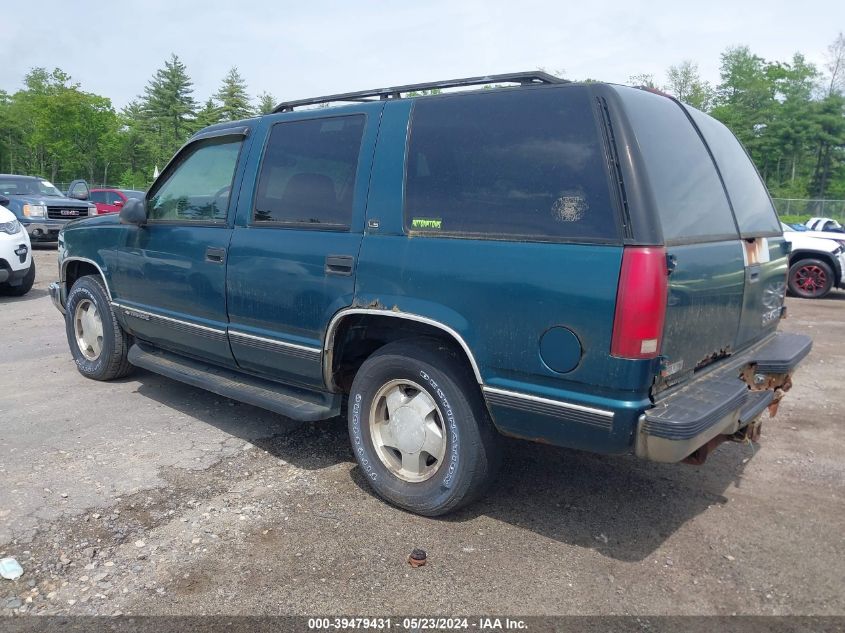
(266, 103)
(209, 114)
(233, 97)
(169, 104)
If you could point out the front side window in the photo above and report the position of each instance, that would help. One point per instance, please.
(509, 164)
(198, 186)
(308, 172)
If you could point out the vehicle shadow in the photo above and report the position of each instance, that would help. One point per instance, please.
(622, 507)
(35, 293)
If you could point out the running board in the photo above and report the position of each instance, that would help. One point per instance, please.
(294, 403)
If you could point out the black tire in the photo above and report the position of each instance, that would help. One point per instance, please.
(810, 278)
(111, 362)
(24, 287)
(473, 447)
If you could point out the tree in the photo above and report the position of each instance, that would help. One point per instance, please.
(266, 103)
(209, 114)
(233, 97)
(686, 84)
(169, 106)
(836, 65)
(645, 80)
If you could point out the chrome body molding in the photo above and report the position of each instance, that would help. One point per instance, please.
(328, 344)
(592, 416)
(67, 260)
(178, 324)
(274, 345)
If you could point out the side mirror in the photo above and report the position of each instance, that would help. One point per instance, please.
(118, 203)
(4, 200)
(134, 211)
(78, 190)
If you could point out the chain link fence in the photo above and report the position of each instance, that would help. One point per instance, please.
(815, 208)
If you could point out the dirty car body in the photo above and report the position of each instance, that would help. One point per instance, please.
(600, 267)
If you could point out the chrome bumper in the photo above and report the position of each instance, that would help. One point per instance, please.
(55, 289)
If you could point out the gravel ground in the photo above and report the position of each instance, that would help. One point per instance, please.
(145, 496)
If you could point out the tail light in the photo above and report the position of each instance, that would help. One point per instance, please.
(640, 303)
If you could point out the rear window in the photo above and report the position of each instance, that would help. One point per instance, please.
(508, 164)
(690, 198)
(750, 200)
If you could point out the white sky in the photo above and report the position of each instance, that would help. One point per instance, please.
(300, 49)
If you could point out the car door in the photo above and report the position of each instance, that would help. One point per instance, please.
(293, 252)
(111, 201)
(171, 272)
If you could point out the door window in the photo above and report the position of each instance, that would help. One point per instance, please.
(308, 172)
(197, 186)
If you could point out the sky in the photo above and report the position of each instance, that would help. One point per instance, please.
(302, 49)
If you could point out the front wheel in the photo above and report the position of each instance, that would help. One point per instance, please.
(419, 428)
(810, 278)
(97, 342)
(25, 285)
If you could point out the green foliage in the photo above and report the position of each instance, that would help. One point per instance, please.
(266, 103)
(794, 219)
(233, 97)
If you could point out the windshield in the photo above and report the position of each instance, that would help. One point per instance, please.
(786, 228)
(28, 187)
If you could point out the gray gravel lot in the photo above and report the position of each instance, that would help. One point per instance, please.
(145, 496)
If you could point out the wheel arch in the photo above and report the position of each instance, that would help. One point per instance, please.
(75, 267)
(340, 353)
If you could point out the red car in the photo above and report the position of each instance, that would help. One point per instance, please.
(111, 200)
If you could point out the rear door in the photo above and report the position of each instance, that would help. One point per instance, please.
(766, 252)
(293, 255)
(705, 254)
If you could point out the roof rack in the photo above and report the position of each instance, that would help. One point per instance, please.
(525, 78)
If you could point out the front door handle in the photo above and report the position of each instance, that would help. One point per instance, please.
(340, 265)
(215, 255)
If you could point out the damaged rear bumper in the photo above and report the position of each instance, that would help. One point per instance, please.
(721, 403)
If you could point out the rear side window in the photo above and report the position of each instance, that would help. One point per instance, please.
(308, 173)
(750, 200)
(690, 198)
(508, 164)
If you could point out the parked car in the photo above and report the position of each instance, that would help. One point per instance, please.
(824, 224)
(816, 262)
(584, 265)
(17, 268)
(41, 208)
(112, 200)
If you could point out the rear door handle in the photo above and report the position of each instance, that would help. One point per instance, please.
(340, 265)
(215, 255)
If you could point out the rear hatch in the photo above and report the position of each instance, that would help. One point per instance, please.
(725, 252)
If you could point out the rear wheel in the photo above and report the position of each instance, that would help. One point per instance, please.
(810, 278)
(97, 342)
(419, 428)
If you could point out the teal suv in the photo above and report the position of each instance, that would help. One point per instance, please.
(586, 265)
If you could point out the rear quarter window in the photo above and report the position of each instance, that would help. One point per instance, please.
(509, 164)
(691, 201)
(752, 206)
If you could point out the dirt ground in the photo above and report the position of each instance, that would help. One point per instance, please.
(145, 496)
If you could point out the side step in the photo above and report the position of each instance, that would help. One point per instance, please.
(297, 404)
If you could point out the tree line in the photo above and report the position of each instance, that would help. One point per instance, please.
(790, 115)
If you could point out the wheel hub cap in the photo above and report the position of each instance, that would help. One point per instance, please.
(88, 327)
(407, 431)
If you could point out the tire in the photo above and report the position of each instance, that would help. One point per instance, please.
(471, 449)
(26, 283)
(810, 278)
(110, 360)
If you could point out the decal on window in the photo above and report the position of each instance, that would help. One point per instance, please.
(426, 223)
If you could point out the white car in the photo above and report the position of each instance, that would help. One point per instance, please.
(17, 269)
(816, 264)
(824, 225)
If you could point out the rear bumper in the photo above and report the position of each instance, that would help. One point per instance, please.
(721, 402)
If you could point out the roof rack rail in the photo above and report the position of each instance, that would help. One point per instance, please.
(524, 78)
